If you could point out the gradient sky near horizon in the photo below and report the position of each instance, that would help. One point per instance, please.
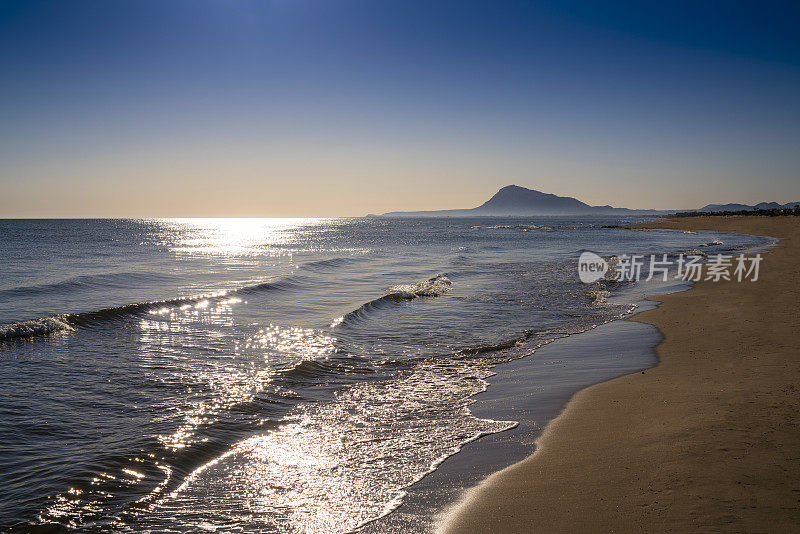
(344, 107)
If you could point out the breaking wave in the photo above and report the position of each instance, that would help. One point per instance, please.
(432, 287)
(35, 327)
(69, 321)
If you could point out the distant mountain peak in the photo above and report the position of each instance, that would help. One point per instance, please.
(517, 200)
(513, 199)
(513, 187)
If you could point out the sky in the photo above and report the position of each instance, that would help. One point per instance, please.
(345, 107)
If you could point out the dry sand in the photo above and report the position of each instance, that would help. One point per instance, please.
(708, 440)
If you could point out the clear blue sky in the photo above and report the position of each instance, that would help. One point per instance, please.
(303, 108)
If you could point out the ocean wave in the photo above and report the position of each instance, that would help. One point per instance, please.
(47, 325)
(167, 466)
(695, 252)
(600, 290)
(497, 347)
(69, 321)
(34, 327)
(284, 284)
(712, 243)
(329, 264)
(520, 227)
(432, 287)
(83, 281)
(599, 294)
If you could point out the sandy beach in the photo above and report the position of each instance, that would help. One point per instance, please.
(707, 440)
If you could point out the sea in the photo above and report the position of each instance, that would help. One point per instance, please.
(276, 375)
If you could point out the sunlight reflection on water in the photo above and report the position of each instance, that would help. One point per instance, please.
(338, 464)
(237, 237)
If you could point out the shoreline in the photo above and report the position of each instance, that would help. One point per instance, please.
(705, 439)
(558, 369)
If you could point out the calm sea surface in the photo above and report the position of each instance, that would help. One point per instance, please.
(281, 375)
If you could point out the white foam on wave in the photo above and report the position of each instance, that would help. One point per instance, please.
(433, 287)
(600, 294)
(336, 466)
(34, 327)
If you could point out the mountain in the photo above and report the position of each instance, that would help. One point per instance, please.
(516, 200)
(747, 207)
(725, 207)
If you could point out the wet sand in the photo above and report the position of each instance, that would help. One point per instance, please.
(707, 440)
